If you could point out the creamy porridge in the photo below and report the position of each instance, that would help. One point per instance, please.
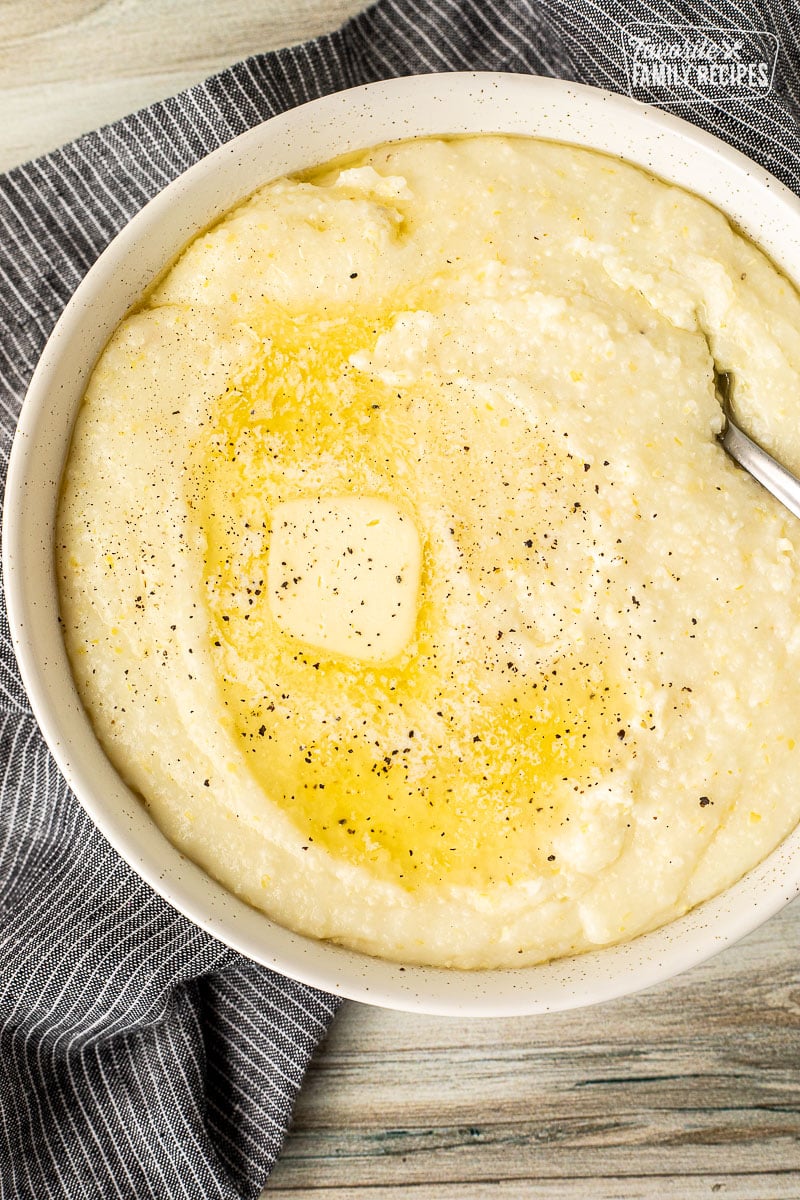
(402, 574)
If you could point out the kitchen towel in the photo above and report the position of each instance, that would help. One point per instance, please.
(140, 1058)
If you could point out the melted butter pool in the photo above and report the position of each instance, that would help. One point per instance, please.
(454, 762)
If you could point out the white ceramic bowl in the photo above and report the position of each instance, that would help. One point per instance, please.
(430, 104)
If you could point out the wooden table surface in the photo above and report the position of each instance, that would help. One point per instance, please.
(691, 1089)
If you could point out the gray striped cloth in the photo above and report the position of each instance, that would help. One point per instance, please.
(138, 1057)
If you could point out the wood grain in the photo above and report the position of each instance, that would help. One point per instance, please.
(67, 66)
(689, 1090)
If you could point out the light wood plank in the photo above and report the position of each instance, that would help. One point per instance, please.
(695, 1081)
(679, 1144)
(773, 1186)
(68, 66)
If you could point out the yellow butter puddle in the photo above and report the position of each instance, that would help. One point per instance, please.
(439, 766)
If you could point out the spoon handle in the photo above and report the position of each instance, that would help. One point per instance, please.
(762, 466)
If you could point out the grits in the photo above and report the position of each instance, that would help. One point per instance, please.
(402, 575)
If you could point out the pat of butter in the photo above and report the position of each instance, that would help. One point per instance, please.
(344, 574)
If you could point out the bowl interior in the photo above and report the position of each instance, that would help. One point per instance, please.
(432, 104)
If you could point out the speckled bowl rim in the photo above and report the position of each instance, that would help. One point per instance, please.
(313, 133)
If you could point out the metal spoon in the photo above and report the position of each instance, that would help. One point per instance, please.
(748, 454)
